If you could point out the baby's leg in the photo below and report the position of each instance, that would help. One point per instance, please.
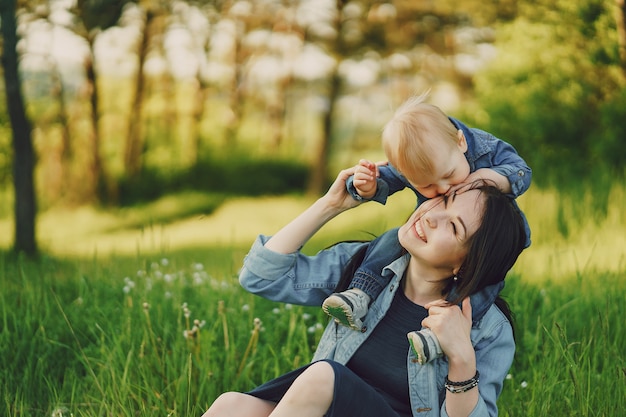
(425, 345)
(349, 307)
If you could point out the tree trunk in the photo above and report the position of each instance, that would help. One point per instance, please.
(23, 157)
(66, 153)
(96, 187)
(319, 173)
(134, 140)
(620, 21)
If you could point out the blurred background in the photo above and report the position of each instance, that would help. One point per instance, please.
(127, 102)
(144, 144)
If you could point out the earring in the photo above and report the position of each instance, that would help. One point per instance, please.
(455, 279)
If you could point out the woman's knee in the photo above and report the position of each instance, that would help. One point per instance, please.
(232, 403)
(220, 405)
(319, 379)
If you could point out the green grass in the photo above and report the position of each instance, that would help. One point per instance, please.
(76, 336)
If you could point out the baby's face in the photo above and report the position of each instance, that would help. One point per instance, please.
(450, 167)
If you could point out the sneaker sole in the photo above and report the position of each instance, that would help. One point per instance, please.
(340, 314)
(419, 347)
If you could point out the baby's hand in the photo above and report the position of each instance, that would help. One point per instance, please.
(365, 174)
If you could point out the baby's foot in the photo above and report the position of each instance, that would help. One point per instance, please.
(425, 345)
(348, 307)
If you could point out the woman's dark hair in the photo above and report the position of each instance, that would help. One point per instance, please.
(495, 246)
(493, 249)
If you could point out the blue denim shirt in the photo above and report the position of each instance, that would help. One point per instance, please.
(307, 280)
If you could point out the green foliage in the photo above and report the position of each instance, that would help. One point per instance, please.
(236, 175)
(556, 90)
(101, 14)
(138, 336)
(569, 359)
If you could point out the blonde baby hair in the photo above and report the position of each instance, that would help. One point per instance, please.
(415, 131)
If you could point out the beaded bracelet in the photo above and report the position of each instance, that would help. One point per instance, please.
(463, 386)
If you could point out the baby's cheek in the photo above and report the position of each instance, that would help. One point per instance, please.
(428, 193)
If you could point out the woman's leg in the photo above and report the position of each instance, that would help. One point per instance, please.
(237, 404)
(311, 393)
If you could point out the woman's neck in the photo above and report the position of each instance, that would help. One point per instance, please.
(423, 286)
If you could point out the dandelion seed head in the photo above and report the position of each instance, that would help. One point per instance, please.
(310, 329)
(61, 412)
(141, 273)
(509, 376)
(306, 316)
(245, 307)
(168, 294)
(158, 274)
(198, 266)
(165, 262)
(146, 306)
(319, 326)
(197, 278)
(288, 306)
(154, 265)
(524, 384)
(276, 310)
(126, 289)
(168, 278)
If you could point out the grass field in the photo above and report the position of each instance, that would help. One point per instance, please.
(139, 312)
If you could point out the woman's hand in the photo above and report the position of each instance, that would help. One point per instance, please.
(337, 196)
(452, 326)
(296, 233)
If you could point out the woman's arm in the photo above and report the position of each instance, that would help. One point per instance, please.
(275, 269)
(491, 354)
(296, 233)
(452, 327)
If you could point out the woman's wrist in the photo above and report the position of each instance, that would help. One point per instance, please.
(462, 366)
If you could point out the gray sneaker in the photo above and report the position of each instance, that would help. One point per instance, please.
(348, 307)
(425, 345)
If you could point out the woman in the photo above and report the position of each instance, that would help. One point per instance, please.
(457, 244)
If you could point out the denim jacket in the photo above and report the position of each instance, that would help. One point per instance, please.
(307, 280)
(484, 150)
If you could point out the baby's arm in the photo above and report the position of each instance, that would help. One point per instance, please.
(490, 175)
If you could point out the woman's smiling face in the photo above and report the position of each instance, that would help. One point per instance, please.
(438, 232)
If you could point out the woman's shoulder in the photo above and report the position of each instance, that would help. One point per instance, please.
(493, 320)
